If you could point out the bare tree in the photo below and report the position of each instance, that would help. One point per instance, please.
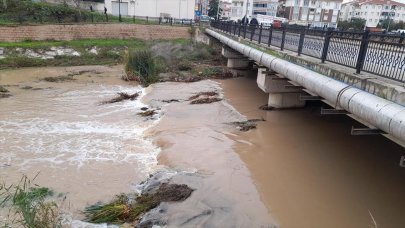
(5, 4)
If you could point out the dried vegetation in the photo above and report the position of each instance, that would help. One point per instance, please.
(129, 209)
(121, 96)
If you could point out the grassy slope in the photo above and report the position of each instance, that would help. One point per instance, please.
(85, 43)
(111, 51)
(28, 12)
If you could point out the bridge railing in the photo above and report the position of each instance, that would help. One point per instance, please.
(376, 53)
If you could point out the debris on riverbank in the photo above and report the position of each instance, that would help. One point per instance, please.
(59, 78)
(129, 209)
(3, 90)
(247, 125)
(4, 93)
(266, 107)
(147, 113)
(208, 94)
(204, 98)
(121, 96)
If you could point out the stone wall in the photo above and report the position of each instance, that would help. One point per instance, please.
(92, 31)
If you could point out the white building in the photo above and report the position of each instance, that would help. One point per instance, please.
(314, 13)
(226, 9)
(373, 11)
(184, 9)
(241, 8)
(265, 7)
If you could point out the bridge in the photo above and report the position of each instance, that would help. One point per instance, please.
(370, 91)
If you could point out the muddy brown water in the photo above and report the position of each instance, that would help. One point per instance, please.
(297, 169)
(61, 133)
(311, 172)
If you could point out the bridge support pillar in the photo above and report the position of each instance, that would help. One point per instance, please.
(285, 100)
(281, 92)
(235, 59)
(238, 63)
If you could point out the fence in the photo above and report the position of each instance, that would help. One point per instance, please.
(376, 53)
(92, 17)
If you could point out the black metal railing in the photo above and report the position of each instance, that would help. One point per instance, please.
(376, 53)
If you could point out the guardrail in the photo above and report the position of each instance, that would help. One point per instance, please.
(376, 53)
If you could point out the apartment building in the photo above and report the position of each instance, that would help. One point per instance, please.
(265, 7)
(226, 9)
(241, 8)
(324, 13)
(373, 11)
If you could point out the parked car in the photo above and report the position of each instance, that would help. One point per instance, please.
(205, 18)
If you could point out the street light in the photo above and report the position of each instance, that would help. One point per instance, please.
(119, 11)
(389, 20)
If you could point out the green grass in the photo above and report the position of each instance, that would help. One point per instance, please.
(84, 43)
(141, 66)
(29, 206)
(28, 12)
(86, 59)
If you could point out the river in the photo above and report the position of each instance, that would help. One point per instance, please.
(297, 169)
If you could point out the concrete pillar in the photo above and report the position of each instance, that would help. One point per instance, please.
(281, 94)
(236, 60)
(285, 100)
(238, 63)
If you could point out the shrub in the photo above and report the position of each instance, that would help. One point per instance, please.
(141, 66)
(29, 206)
(184, 65)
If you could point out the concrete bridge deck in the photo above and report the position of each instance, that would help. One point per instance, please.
(372, 100)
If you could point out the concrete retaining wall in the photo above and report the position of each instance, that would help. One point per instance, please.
(92, 31)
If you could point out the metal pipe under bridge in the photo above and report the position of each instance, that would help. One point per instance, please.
(381, 115)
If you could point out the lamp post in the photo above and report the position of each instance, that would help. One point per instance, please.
(119, 11)
(389, 20)
(179, 8)
(219, 1)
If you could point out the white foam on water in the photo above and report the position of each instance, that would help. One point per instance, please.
(59, 127)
